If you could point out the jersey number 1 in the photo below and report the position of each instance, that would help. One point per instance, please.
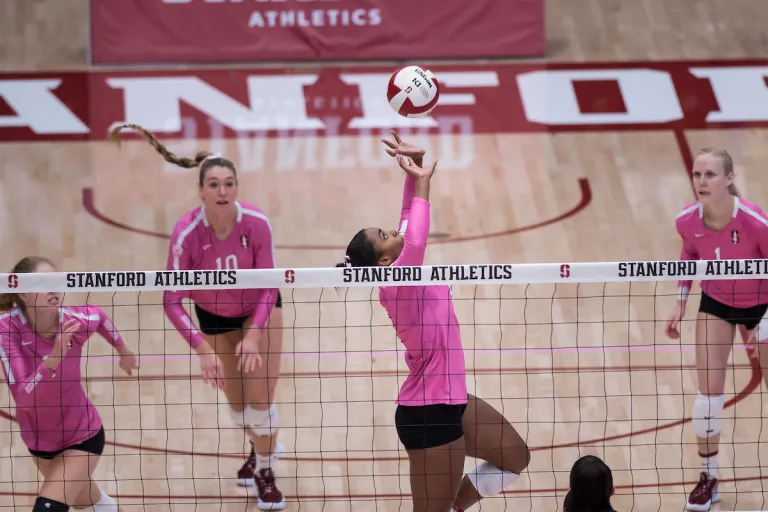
(717, 253)
(230, 262)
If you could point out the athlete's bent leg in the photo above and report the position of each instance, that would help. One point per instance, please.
(436, 476)
(491, 438)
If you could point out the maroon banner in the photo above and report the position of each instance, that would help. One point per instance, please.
(257, 103)
(197, 31)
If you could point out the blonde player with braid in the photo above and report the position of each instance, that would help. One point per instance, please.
(241, 341)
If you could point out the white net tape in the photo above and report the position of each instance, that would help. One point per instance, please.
(527, 273)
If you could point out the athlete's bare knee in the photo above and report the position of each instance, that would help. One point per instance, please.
(521, 457)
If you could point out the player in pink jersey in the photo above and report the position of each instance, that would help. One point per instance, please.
(437, 421)
(41, 346)
(238, 326)
(719, 226)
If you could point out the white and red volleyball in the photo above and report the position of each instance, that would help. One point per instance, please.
(413, 91)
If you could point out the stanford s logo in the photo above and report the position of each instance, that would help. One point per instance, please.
(290, 276)
(13, 281)
(565, 270)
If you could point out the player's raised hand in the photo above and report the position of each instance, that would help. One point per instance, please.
(415, 171)
(398, 147)
(65, 333)
(62, 342)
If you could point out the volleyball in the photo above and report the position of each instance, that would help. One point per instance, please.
(413, 91)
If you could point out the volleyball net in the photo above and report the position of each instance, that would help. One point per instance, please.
(574, 355)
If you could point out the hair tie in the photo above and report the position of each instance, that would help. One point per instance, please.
(213, 155)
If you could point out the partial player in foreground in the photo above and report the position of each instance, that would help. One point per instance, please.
(719, 226)
(41, 346)
(437, 421)
(238, 326)
(590, 486)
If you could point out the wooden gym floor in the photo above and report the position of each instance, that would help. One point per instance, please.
(593, 376)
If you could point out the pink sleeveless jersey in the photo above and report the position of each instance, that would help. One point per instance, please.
(744, 237)
(195, 247)
(52, 409)
(424, 319)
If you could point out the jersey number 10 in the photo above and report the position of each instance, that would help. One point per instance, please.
(230, 262)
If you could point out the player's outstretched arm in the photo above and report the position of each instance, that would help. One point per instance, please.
(415, 244)
(683, 290)
(264, 257)
(249, 358)
(107, 330)
(179, 259)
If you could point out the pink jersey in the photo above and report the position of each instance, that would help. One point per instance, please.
(52, 409)
(744, 237)
(425, 320)
(195, 247)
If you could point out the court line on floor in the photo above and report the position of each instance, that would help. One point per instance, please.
(533, 493)
(398, 353)
(584, 188)
(403, 372)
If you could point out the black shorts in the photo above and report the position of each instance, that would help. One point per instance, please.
(428, 426)
(748, 317)
(212, 325)
(94, 445)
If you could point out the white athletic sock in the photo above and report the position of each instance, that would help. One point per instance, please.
(709, 465)
(105, 504)
(266, 461)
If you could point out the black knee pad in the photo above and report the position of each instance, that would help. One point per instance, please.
(48, 505)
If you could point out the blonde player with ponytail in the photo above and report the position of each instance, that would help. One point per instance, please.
(719, 226)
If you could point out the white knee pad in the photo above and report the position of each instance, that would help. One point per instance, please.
(707, 414)
(263, 423)
(238, 417)
(105, 504)
(490, 480)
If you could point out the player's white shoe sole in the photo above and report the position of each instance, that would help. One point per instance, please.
(704, 507)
